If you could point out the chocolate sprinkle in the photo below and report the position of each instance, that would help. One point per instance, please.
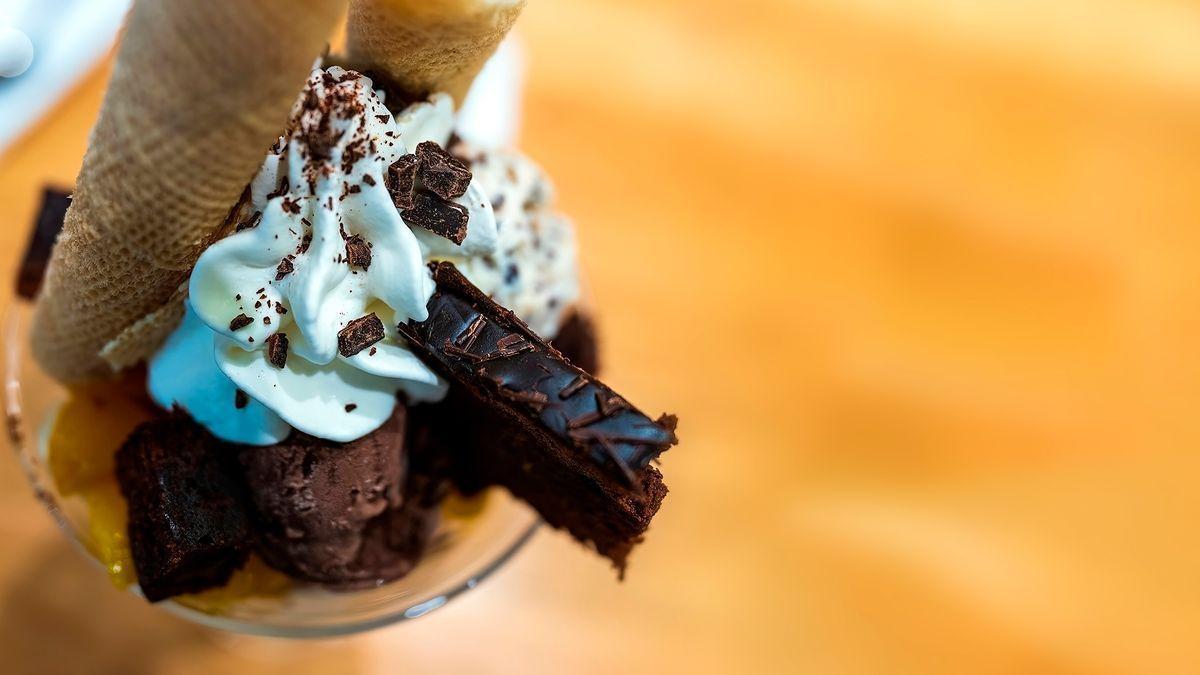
(250, 223)
(360, 334)
(358, 252)
(277, 350)
(445, 219)
(350, 407)
(442, 173)
(240, 321)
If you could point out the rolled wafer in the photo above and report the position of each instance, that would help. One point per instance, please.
(199, 91)
(425, 46)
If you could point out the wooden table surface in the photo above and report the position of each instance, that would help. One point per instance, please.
(920, 279)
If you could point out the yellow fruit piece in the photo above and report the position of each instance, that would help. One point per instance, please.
(458, 507)
(255, 580)
(89, 429)
(107, 537)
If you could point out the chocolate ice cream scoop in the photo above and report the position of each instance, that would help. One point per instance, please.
(323, 508)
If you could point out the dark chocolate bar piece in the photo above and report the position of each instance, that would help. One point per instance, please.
(401, 181)
(188, 525)
(49, 223)
(360, 334)
(548, 431)
(443, 218)
(442, 173)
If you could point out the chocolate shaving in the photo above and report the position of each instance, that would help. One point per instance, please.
(250, 223)
(240, 399)
(617, 460)
(351, 407)
(534, 399)
(401, 181)
(575, 385)
(285, 268)
(239, 322)
(360, 334)
(442, 173)
(281, 189)
(586, 419)
(445, 219)
(610, 404)
(466, 339)
(358, 252)
(277, 350)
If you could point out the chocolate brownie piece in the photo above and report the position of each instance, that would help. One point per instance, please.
(543, 428)
(51, 215)
(188, 527)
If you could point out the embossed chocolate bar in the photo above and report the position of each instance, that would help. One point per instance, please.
(548, 431)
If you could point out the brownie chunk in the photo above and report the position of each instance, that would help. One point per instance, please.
(49, 223)
(188, 526)
(543, 428)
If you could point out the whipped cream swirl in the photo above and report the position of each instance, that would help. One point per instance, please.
(287, 270)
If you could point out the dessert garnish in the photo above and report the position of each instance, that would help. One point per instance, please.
(402, 181)
(360, 334)
(562, 429)
(358, 251)
(441, 217)
(442, 173)
(277, 346)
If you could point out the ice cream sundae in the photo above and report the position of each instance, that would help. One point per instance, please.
(298, 313)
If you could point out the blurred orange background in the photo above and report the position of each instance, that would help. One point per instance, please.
(921, 279)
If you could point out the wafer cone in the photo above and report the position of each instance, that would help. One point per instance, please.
(199, 91)
(425, 46)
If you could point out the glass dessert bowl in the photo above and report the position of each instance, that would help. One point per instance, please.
(474, 537)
